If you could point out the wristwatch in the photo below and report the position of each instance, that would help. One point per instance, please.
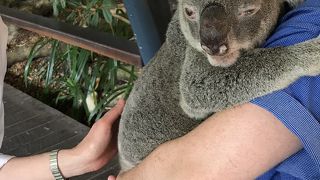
(54, 165)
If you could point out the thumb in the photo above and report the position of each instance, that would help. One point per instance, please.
(113, 114)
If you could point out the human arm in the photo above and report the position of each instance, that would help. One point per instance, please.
(94, 151)
(239, 143)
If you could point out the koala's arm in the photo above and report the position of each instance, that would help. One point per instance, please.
(206, 89)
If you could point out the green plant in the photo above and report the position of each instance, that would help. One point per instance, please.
(89, 80)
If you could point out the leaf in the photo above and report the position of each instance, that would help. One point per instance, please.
(34, 51)
(107, 15)
(102, 109)
(95, 20)
(92, 3)
(82, 61)
(108, 4)
(63, 3)
(55, 5)
(61, 97)
(71, 16)
(51, 63)
(74, 4)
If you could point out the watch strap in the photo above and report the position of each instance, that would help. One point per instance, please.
(54, 165)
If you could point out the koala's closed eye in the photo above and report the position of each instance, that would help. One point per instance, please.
(248, 10)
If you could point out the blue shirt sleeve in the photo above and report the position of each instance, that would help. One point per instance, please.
(298, 106)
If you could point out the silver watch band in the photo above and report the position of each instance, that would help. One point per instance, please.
(54, 165)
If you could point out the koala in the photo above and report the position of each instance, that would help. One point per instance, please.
(225, 32)
(209, 62)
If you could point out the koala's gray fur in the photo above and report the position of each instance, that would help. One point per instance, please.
(179, 88)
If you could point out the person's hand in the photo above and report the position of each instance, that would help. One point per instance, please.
(97, 148)
(111, 178)
(122, 176)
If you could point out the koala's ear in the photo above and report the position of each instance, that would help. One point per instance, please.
(191, 12)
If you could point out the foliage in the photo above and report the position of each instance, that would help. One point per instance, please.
(89, 80)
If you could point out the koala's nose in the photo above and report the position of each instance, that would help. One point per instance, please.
(214, 29)
(215, 50)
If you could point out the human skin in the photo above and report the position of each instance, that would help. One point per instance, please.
(92, 153)
(239, 143)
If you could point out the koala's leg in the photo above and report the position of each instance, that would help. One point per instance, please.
(206, 89)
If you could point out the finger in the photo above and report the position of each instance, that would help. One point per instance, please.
(111, 178)
(114, 113)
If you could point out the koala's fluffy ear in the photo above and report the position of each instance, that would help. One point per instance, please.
(294, 3)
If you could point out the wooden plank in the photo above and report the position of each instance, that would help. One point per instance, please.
(100, 42)
(44, 142)
(23, 124)
(67, 143)
(41, 131)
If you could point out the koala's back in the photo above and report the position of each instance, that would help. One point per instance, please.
(152, 114)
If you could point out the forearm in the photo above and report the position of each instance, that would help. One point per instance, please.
(37, 167)
(92, 153)
(239, 143)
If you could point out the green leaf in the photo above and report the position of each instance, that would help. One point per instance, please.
(51, 63)
(92, 3)
(74, 4)
(34, 51)
(102, 109)
(95, 20)
(61, 97)
(108, 4)
(63, 3)
(55, 5)
(82, 61)
(107, 15)
(71, 16)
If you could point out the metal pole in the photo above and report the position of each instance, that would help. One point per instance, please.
(144, 27)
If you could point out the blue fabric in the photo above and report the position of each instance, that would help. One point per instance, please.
(144, 28)
(298, 106)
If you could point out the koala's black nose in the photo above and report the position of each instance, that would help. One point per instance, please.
(214, 29)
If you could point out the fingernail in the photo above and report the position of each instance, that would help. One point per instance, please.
(110, 178)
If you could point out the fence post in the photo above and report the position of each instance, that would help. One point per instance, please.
(148, 34)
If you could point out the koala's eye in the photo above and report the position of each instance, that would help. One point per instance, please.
(248, 10)
(190, 12)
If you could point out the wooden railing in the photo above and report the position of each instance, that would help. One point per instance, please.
(100, 42)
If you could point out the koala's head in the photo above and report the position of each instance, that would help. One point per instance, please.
(221, 28)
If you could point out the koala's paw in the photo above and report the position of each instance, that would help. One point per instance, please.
(125, 164)
(311, 58)
(192, 111)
